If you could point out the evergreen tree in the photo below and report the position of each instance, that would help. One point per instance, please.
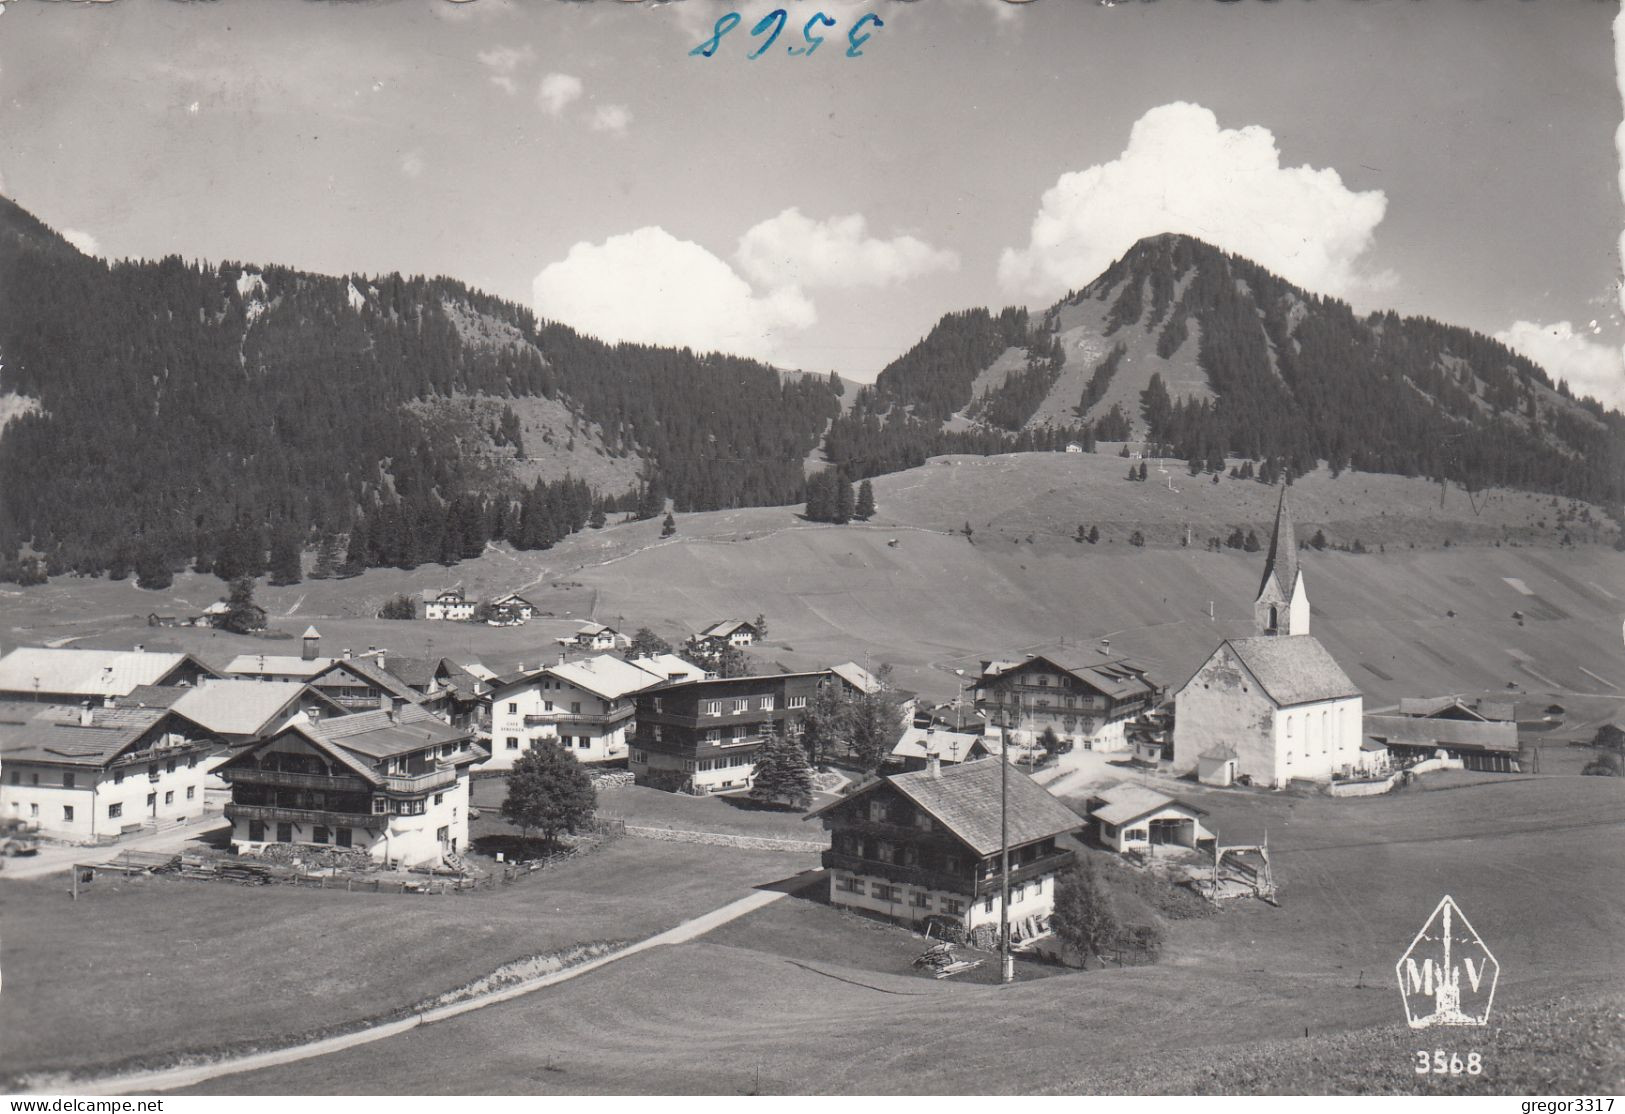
(866, 501)
(782, 774)
(876, 724)
(1143, 472)
(1136, 539)
(356, 553)
(1250, 543)
(548, 791)
(398, 607)
(152, 569)
(1319, 540)
(327, 558)
(596, 520)
(845, 505)
(760, 623)
(1094, 535)
(285, 566)
(668, 527)
(243, 614)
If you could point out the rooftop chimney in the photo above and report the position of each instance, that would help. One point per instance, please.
(87, 715)
(139, 648)
(347, 653)
(933, 765)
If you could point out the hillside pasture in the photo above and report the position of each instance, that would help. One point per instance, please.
(1532, 862)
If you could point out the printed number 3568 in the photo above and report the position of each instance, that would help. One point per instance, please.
(1441, 1062)
(772, 24)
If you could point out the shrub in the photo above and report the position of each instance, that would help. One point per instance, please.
(398, 607)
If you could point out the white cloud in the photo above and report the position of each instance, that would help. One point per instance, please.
(504, 62)
(611, 118)
(557, 91)
(1590, 367)
(794, 250)
(84, 241)
(412, 164)
(1182, 173)
(648, 286)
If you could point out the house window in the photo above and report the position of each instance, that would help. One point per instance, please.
(169, 767)
(987, 904)
(152, 800)
(513, 708)
(765, 704)
(191, 792)
(191, 762)
(513, 742)
(319, 835)
(848, 884)
(952, 907)
(713, 735)
(67, 781)
(713, 708)
(575, 707)
(1017, 893)
(344, 837)
(657, 703)
(741, 732)
(1134, 835)
(17, 776)
(113, 811)
(34, 779)
(284, 832)
(639, 756)
(584, 742)
(67, 814)
(33, 809)
(798, 702)
(1038, 887)
(439, 798)
(256, 830)
(885, 893)
(740, 704)
(920, 900)
(656, 733)
(380, 805)
(169, 797)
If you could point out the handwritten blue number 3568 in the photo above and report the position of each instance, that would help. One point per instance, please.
(773, 23)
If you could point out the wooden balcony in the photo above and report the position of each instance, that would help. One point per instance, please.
(904, 875)
(429, 780)
(248, 775)
(272, 814)
(595, 718)
(1053, 863)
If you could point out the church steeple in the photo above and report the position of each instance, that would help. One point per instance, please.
(1282, 606)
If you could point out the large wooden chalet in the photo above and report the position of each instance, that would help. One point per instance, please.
(703, 736)
(1084, 698)
(925, 846)
(391, 783)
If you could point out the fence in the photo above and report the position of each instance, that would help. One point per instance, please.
(1375, 787)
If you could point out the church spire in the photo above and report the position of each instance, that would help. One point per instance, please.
(1282, 562)
(1282, 606)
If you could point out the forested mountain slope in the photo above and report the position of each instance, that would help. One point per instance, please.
(170, 410)
(1211, 355)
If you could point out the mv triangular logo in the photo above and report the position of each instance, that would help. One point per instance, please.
(1447, 976)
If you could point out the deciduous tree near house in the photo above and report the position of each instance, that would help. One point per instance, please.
(782, 774)
(646, 643)
(1085, 916)
(398, 607)
(549, 792)
(826, 728)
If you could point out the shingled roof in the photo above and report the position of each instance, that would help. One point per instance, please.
(54, 733)
(1125, 803)
(1293, 669)
(965, 798)
(1118, 678)
(1419, 731)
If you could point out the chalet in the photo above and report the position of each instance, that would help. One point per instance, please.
(586, 707)
(38, 673)
(919, 745)
(443, 686)
(92, 773)
(393, 784)
(514, 608)
(363, 684)
(1274, 707)
(1490, 745)
(702, 736)
(448, 604)
(1133, 818)
(215, 615)
(597, 636)
(925, 846)
(730, 632)
(1085, 699)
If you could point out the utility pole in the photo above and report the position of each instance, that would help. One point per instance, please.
(1006, 964)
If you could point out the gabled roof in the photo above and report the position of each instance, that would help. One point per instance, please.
(442, 595)
(244, 707)
(857, 676)
(1118, 678)
(605, 676)
(1417, 731)
(88, 672)
(965, 799)
(1126, 803)
(726, 627)
(1293, 669)
(52, 732)
(512, 597)
(311, 632)
(954, 746)
(591, 630)
(277, 665)
(370, 672)
(1432, 705)
(383, 734)
(1282, 561)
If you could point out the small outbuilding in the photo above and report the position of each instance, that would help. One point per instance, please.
(1133, 817)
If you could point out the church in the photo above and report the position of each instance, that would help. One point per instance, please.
(1275, 706)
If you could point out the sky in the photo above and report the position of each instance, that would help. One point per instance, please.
(1451, 158)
